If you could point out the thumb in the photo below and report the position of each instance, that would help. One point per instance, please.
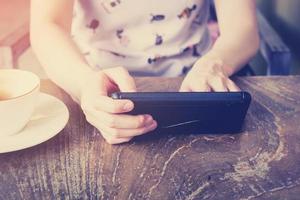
(122, 79)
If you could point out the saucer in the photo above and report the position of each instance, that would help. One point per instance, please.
(50, 117)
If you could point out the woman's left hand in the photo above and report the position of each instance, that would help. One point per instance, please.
(207, 75)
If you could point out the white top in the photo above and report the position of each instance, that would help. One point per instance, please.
(148, 37)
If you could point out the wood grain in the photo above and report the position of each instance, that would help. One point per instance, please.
(260, 163)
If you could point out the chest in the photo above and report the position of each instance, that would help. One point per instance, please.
(117, 12)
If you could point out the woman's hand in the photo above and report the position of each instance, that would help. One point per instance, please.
(106, 114)
(207, 75)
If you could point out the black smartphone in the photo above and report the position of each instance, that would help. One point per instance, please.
(200, 112)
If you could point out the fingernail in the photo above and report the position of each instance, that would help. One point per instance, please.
(128, 106)
(149, 120)
(153, 125)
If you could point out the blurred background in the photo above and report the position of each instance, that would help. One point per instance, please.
(279, 26)
(284, 16)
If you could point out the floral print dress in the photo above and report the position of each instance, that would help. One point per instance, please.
(148, 37)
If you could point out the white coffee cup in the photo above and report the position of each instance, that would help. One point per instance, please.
(18, 95)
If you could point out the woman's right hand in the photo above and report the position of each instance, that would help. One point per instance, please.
(108, 115)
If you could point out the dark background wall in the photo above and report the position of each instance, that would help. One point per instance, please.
(284, 16)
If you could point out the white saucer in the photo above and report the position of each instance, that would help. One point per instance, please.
(50, 117)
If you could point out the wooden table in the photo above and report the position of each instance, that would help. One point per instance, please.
(261, 163)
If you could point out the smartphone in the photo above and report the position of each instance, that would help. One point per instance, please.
(200, 112)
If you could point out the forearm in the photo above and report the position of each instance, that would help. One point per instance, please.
(239, 38)
(60, 57)
(235, 50)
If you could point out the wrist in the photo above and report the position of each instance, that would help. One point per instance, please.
(84, 75)
(213, 62)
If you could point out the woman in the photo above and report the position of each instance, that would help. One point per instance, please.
(93, 47)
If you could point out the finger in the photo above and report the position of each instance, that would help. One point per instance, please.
(232, 87)
(108, 137)
(197, 85)
(122, 78)
(217, 85)
(200, 87)
(122, 121)
(125, 133)
(114, 106)
(184, 88)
